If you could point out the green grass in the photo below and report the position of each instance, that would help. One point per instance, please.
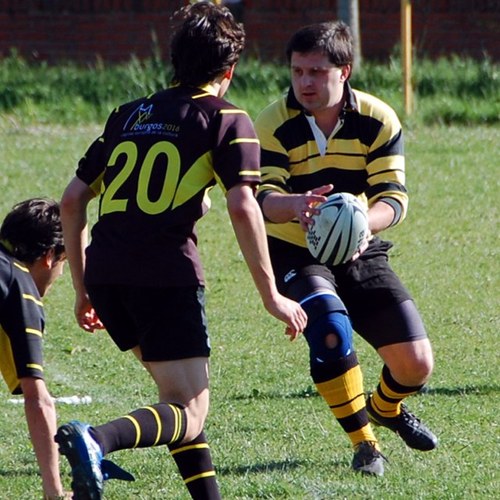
(451, 90)
(272, 437)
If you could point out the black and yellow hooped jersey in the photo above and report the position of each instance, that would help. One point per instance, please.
(153, 167)
(22, 322)
(363, 156)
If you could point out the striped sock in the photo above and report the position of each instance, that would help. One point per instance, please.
(195, 465)
(340, 383)
(154, 425)
(386, 400)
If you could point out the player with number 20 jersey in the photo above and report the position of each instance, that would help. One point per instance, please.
(155, 163)
(141, 277)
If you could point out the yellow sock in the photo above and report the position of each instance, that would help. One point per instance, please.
(345, 396)
(386, 400)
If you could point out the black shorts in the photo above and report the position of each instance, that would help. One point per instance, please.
(167, 323)
(380, 307)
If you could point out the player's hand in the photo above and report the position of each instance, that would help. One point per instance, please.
(307, 203)
(363, 246)
(291, 313)
(86, 316)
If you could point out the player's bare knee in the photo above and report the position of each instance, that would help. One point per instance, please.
(413, 372)
(423, 368)
(193, 430)
(421, 365)
(196, 416)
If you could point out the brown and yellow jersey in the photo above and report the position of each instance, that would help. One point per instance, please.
(153, 167)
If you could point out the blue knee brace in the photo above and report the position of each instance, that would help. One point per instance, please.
(327, 314)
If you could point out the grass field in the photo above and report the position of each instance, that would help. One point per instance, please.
(272, 437)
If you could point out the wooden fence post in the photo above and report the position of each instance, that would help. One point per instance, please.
(406, 53)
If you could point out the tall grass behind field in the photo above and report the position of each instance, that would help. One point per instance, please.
(271, 435)
(449, 90)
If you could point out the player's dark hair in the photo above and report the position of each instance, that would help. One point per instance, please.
(334, 39)
(32, 228)
(206, 42)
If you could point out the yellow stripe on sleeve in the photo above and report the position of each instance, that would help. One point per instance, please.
(34, 299)
(35, 366)
(34, 331)
(233, 112)
(253, 173)
(244, 140)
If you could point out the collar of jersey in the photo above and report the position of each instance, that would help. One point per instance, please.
(209, 88)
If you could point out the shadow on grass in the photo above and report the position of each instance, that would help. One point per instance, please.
(310, 392)
(13, 473)
(242, 470)
(467, 390)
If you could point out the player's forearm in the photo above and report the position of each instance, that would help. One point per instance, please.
(249, 229)
(74, 224)
(75, 244)
(280, 208)
(41, 420)
(380, 216)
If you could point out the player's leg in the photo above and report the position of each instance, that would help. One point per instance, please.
(167, 329)
(410, 363)
(176, 421)
(334, 366)
(178, 417)
(384, 314)
(192, 454)
(407, 367)
(195, 465)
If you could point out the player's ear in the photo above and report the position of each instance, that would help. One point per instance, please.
(49, 258)
(346, 72)
(229, 73)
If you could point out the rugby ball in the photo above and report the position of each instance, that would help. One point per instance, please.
(338, 230)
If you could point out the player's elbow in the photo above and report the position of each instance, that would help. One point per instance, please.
(76, 195)
(241, 202)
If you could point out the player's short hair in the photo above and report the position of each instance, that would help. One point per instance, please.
(334, 39)
(32, 228)
(206, 41)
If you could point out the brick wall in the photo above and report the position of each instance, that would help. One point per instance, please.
(84, 30)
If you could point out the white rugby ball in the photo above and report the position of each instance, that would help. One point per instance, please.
(338, 230)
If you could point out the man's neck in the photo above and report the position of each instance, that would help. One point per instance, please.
(327, 118)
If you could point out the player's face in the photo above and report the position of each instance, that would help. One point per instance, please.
(45, 271)
(55, 271)
(317, 83)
